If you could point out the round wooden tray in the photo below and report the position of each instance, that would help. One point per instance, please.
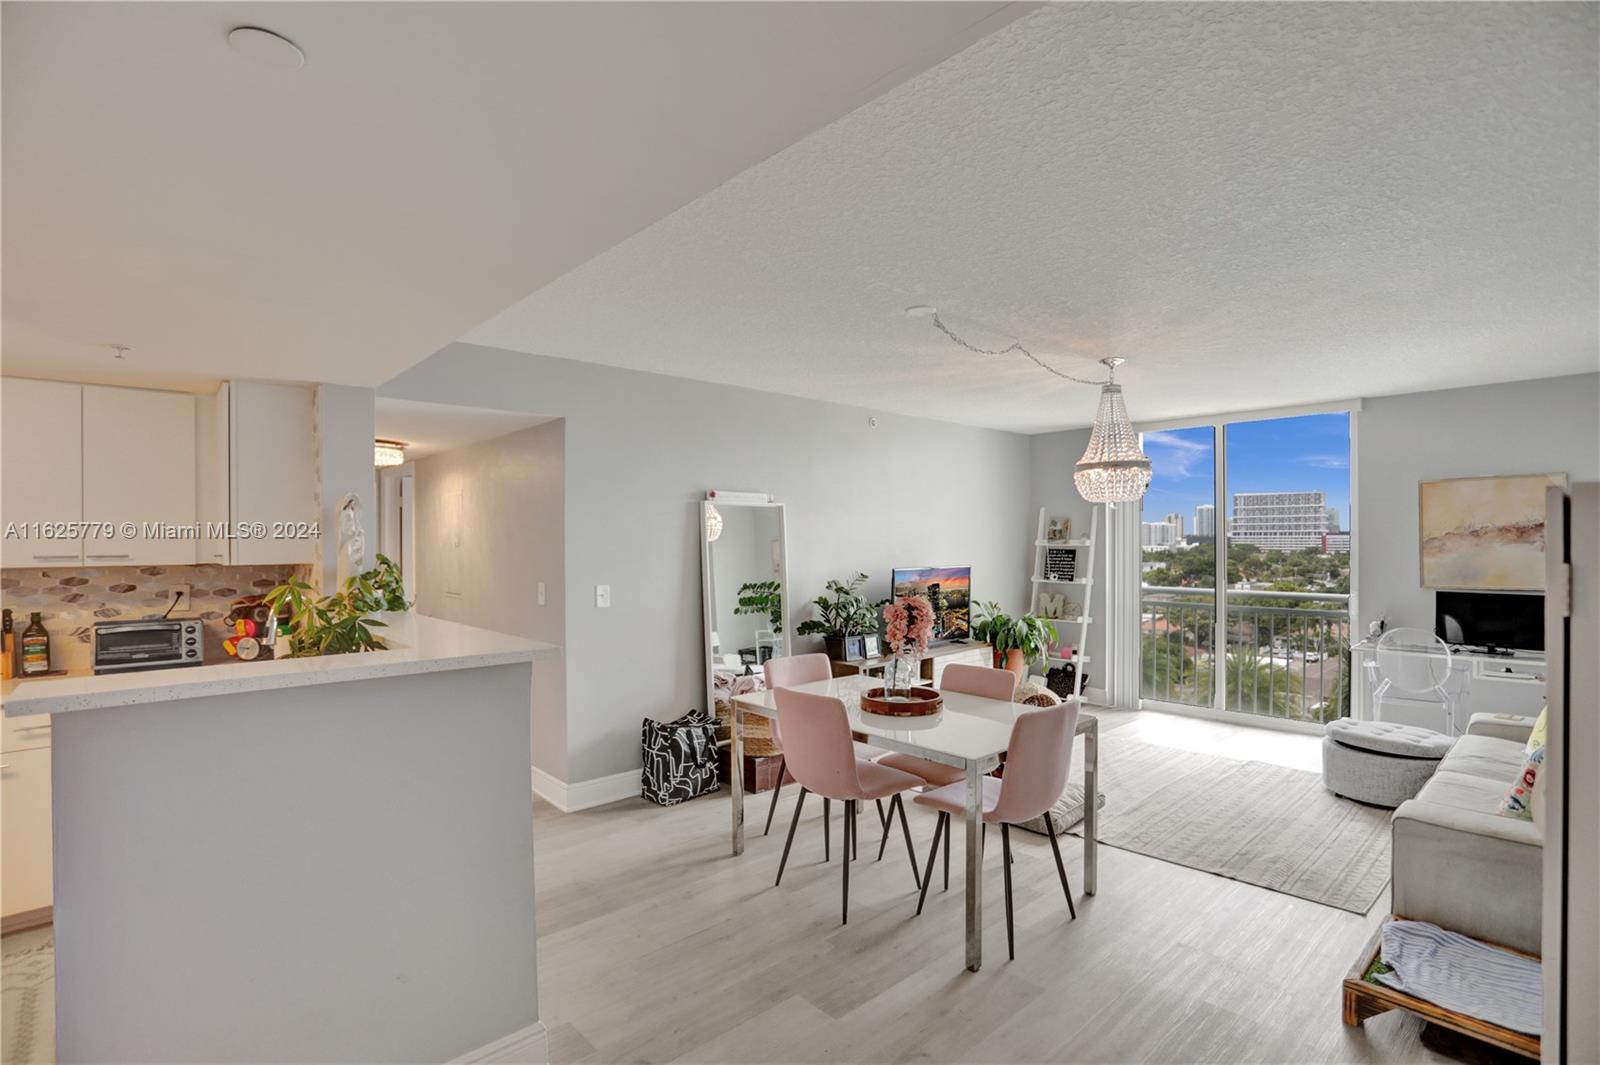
(918, 702)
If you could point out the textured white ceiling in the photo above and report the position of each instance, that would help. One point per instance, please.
(1256, 204)
(431, 164)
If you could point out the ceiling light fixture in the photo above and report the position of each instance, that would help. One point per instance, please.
(267, 48)
(1114, 468)
(120, 349)
(388, 453)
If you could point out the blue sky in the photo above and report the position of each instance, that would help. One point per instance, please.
(1309, 453)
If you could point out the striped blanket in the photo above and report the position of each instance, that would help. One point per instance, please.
(1463, 975)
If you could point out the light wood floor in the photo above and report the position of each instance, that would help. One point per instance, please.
(656, 946)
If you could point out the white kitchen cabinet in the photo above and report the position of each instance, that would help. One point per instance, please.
(211, 476)
(272, 473)
(41, 439)
(25, 875)
(138, 472)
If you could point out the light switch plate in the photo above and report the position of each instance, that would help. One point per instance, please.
(602, 595)
(541, 593)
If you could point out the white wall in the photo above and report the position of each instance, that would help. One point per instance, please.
(489, 528)
(345, 427)
(641, 449)
(1543, 426)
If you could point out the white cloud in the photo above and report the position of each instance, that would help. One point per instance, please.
(1175, 455)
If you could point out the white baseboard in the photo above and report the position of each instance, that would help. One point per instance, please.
(569, 798)
(1095, 697)
(525, 1046)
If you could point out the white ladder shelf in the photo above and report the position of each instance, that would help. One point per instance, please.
(1083, 578)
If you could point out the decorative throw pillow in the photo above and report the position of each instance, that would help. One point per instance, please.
(1518, 802)
(1541, 729)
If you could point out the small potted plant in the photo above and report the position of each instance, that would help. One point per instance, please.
(843, 614)
(1017, 642)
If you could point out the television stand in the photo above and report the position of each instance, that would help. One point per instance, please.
(934, 659)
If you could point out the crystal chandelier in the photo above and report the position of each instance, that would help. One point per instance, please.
(1115, 468)
(388, 453)
(713, 523)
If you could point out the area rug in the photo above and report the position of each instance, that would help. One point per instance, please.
(1264, 824)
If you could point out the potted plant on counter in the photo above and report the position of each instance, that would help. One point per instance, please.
(341, 623)
(843, 613)
(1017, 642)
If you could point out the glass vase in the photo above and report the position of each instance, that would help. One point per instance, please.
(901, 674)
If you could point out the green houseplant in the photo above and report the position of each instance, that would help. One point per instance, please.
(842, 612)
(340, 623)
(1017, 641)
(762, 597)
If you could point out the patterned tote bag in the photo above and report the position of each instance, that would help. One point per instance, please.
(680, 758)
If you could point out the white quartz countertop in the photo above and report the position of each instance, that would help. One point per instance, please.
(416, 644)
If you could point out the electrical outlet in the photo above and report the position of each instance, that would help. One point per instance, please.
(602, 595)
(183, 593)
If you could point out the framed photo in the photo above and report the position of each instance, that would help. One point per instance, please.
(1059, 529)
(854, 650)
(1484, 534)
(869, 646)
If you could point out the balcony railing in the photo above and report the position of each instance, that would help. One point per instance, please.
(1281, 658)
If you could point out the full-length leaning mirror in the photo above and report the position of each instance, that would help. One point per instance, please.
(745, 589)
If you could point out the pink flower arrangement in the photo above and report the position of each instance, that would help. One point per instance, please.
(910, 624)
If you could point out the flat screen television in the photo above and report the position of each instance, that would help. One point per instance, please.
(1490, 619)
(949, 589)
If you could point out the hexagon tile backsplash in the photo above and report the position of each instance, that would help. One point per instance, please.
(72, 599)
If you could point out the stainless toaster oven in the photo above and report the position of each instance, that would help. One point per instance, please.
(157, 643)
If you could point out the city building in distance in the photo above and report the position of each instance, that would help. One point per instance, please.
(1285, 521)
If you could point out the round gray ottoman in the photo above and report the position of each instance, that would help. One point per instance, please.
(1377, 762)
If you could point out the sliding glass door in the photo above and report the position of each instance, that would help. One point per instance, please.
(1272, 562)
(1178, 541)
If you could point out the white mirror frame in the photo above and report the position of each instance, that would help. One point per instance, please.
(724, 500)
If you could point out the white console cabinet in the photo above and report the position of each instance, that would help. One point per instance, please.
(1481, 683)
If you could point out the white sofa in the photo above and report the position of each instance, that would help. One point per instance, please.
(1458, 863)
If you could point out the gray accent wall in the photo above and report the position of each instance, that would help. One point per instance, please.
(489, 527)
(641, 449)
(1543, 426)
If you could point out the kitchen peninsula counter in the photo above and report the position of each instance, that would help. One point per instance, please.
(319, 859)
(415, 644)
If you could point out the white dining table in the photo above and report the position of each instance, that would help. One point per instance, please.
(970, 733)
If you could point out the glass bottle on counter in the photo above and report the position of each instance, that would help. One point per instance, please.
(35, 647)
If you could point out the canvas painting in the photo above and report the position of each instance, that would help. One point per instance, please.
(1485, 533)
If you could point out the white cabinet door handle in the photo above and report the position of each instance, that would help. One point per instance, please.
(54, 558)
(108, 556)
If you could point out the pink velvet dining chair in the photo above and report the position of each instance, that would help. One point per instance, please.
(1038, 757)
(821, 756)
(791, 672)
(982, 681)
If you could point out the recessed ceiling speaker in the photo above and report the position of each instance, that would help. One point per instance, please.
(267, 48)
